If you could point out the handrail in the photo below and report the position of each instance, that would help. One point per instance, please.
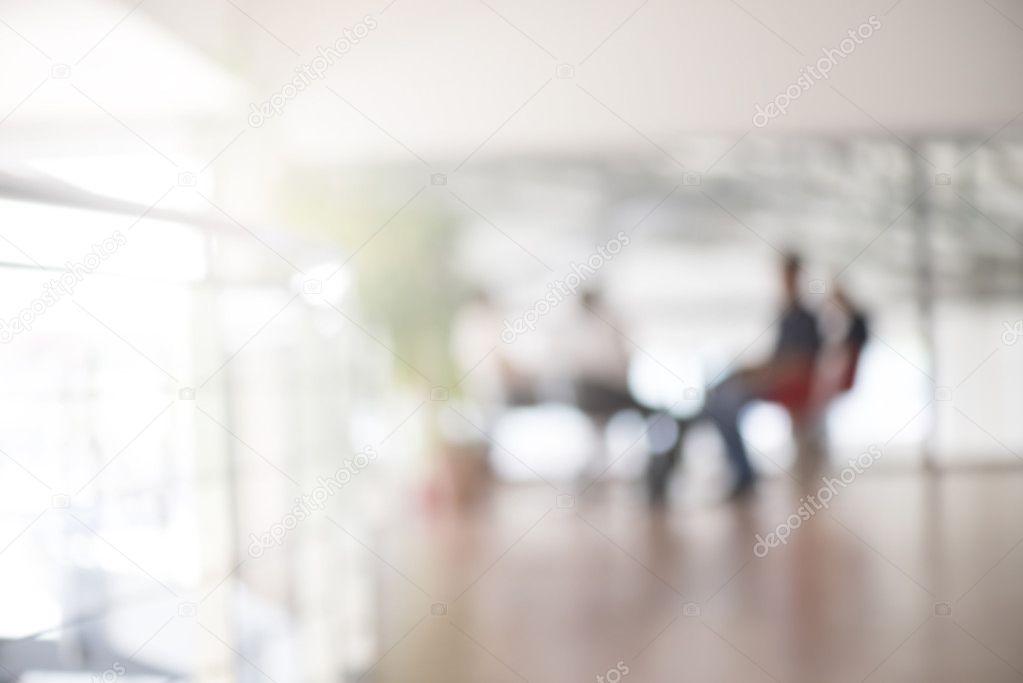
(44, 189)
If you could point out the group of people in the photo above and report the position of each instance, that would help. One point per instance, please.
(810, 364)
(803, 373)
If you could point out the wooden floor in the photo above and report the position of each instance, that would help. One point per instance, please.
(904, 578)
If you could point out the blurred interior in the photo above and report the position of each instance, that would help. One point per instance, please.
(338, 277)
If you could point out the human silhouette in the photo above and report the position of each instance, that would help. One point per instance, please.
(788, 377)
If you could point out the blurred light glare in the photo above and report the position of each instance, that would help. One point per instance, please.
(554, 440)
(666, 379)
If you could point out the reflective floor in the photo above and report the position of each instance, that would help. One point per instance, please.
(903, 577)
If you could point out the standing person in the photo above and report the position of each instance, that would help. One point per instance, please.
(845, 328)
(787, 377)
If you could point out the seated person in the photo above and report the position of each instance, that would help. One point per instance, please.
(788, 377)
(597, 360)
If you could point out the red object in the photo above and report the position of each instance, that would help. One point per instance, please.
(793, 391)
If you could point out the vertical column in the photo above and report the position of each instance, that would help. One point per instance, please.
(215, 483)
(922, 175)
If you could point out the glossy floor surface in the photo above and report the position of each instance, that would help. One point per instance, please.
(903, 577)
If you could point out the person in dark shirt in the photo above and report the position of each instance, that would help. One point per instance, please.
(787, 377)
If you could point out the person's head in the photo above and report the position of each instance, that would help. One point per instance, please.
(791, 268)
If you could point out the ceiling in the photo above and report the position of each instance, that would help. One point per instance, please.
(449, 82)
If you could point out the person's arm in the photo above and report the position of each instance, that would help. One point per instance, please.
(855, 339)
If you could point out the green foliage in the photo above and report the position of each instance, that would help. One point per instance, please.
(403, 274)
